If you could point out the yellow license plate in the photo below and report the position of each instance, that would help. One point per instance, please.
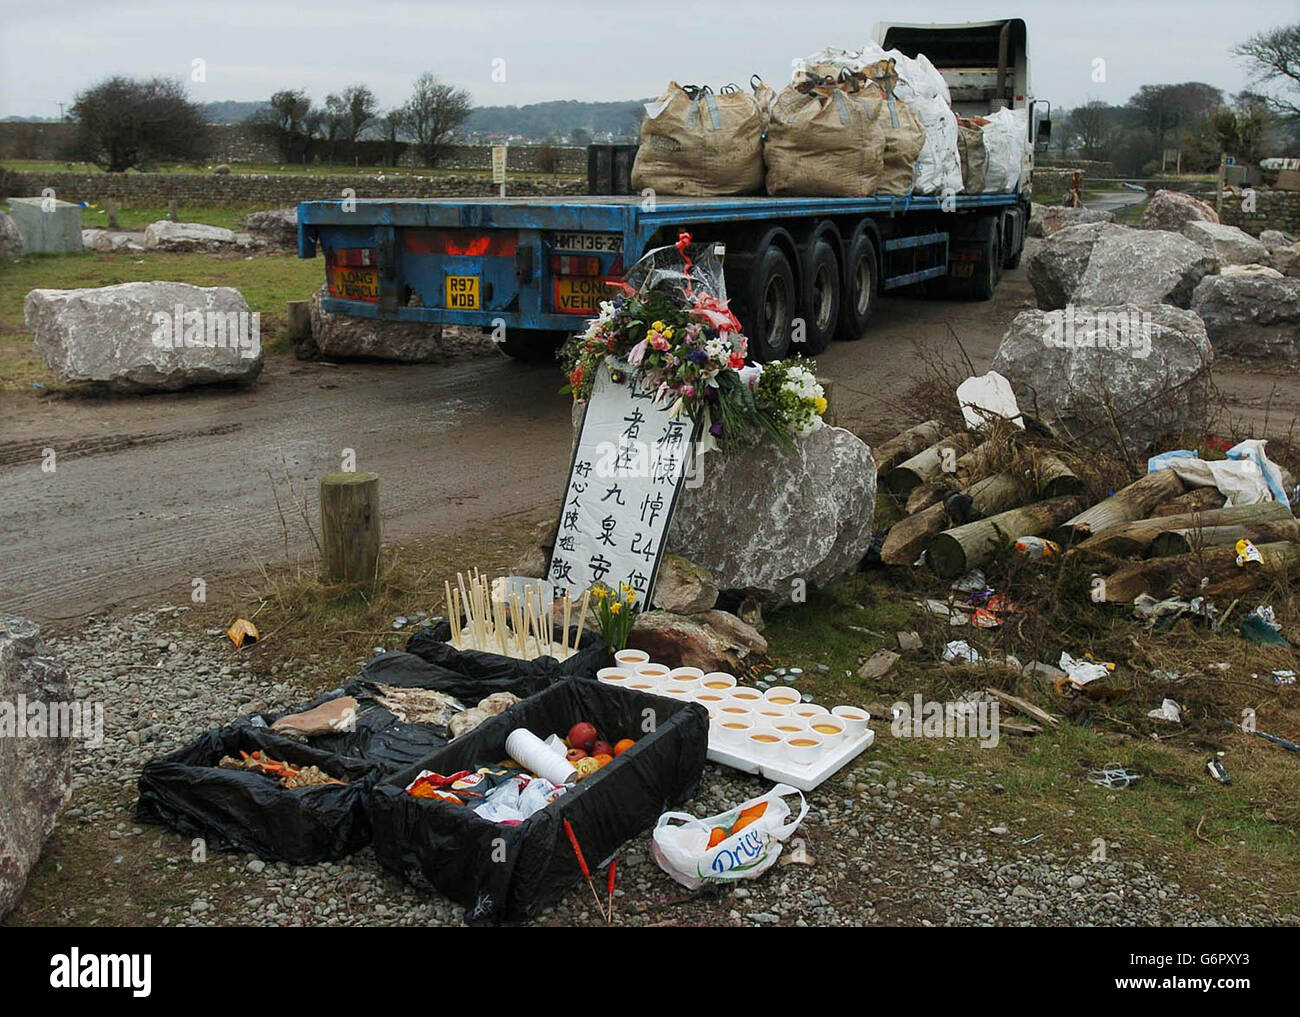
(580, 294)
(462, 292)
(347, 283)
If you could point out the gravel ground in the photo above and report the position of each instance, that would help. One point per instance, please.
(888, 845)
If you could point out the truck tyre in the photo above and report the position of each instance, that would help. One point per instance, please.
(820, 304)
(768, 305)
(990, 265)
(858, 294)
(533, 346)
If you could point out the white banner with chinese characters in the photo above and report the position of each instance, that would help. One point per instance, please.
(627, 472)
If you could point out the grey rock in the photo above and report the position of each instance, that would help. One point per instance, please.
(1129, 266)
(1057, 266)
(47, 225)
(1251, 315)
(11, 240)
(767, 516)
(1077, 882)
(279, 225)
(1274, 239)
(1045, 220)
(712, 641)
(1229, 245)
(1172, 210)
(35, 772)
(1148, 367)
(165, 235)
(683, 587)
(1286, 260)
(111, 335)
(346, 337)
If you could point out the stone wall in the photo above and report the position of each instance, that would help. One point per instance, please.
(1274, 210)
(267, 189)
(1088, 167)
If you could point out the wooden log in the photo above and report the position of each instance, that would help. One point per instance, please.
(925, 465)
(349, 522)
(298, 313)
(955, 552)
(1055, 479)
(1190, 538)
(972, 466)
(1023, 706)
(1198, 499)
(903, 446)
(1124, 506)
(993, 494)
(1211, 573)
(1134, 539)
(909, 537)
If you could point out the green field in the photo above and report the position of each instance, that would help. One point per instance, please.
(522, 167)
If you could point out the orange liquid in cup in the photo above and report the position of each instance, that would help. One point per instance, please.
(802, 742)
(710, 699)
(764, 737)
(781, 700)
(747, 695)
(716, 685)
(826, 729)
(735, 727)
(734, 709)
(782, 727)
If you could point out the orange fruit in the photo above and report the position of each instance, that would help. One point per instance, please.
(623, 745)
(602, 759)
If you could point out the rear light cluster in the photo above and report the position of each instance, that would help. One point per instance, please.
(352, 257)
(574, 264)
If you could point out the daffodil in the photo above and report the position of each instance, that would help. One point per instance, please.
(820, 404)
(631, 597)
(598, 592)
(615, 607)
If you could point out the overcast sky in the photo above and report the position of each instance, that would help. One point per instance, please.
(563, 49)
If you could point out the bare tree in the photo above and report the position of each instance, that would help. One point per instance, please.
(123, 122)
(284, 124)
(394, 125)
(333, 123)
(1094, 123)
(1274, 56)
(361, 106)
(433, 112)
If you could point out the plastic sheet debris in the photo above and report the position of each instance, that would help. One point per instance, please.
(1284, 677)
(1217, 771)
(1246, 477)
(1113, 776)
(1168, 710)
(986, 398)
(1037, 547)
(1085, 669)
(961, 652)
(971, 582)
(1160, 614)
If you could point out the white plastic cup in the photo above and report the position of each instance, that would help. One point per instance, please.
(530, 752)
(630, 658)
(809, 710)
(657, 673)
(718, 681)
(782, 695)
(684, 678)
(737, 710)
(763, 742)
(830, 728)
(614, 675)
(770, 713)
(732, 730)
(708, 698)
(790, 725)
(803, 747)
(746, 694)
(855, 719)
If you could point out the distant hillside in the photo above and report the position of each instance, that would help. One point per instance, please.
(229, 111)
(557, 120)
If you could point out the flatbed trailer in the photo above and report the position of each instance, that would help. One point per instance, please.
(799, 271)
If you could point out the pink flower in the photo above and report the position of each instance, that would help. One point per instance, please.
(637, 354)
(688, 390)
(659, 342)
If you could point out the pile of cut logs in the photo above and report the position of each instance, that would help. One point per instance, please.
(959, 511)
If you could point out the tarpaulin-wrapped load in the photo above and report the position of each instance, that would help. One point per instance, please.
(697, 143)
(1006, 137)
(974, 155)
(903, 132)
(233, 808)
(825, 142)
(505, 872)
(921, 86)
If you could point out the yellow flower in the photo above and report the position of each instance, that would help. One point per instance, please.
(631, 597)
(599, 592)
(657, 326)
(820, 404)
(615, 607)
(668, 333)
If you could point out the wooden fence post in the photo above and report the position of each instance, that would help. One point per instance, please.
(349, 520)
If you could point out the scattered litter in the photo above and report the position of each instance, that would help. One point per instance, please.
(985, 619)
(961, 651)
(1084, 670)
(1248, 552)
(1160, 614)
(1169, 710)
(1038, 547)
(878, 664)
(1113, 776)
(1284, 677)
(972, 582)
(909, 641)
(1217, 771)
(1260, 626)
(1030, 840)
(956, 617)
(241, 632)
(987, 398)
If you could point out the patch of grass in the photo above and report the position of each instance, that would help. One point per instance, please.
(289, 169)
(266, 281)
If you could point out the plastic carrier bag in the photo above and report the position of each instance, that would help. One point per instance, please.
(680, 843)
(824, 141)
(698, 143)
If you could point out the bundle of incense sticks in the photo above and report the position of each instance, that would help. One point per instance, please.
(496, 616)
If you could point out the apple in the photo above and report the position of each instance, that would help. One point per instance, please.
(602, 748)
(582, 735)
(573, 755)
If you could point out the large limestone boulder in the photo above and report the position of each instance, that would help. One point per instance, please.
(107, 241)
(36, 769)
(683, 587)
(11, 239)
(1275, 239)
(1286, 260)
(1044, 220)
(344, 337)
(1057, 266)
(146, 336)
(1172, 210)
(1251, 315)
(1230, 245)
(279, 225)
(765, 517)
(1087, 371)
(165, 235)
(1130, 266)
(709, 640)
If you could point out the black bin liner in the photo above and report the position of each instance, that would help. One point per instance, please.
(505, 873)
(240, 810)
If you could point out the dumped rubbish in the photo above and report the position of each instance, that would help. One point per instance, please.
(960, 652)
(1113, 776)
(1085, 669)
(1036, 548)
(1168, 710)
(241, 632)
(742, 843)
(1217, 771)
(1260, 626)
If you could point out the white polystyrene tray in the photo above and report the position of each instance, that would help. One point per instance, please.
(805, 778)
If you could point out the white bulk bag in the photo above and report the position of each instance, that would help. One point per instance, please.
(1006, 139)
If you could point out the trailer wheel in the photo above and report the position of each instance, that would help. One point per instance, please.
(820, 305)
(990, 264)
(858, 294)
(769, 304)
(532, 346)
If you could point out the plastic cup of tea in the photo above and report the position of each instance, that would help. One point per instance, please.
(630, 658)
(732, 730)
(809, 710)
(672, 693)
(708, 698)
(770, 713)
(614, 675)
(803, 747)
(655, 672)
(745, 694)
(684, 678)
(641, 684)
(855, 719)
(737, 711)
(790, 725)
(830, 728)
(763, 742)
(781, 696)
(718, 681)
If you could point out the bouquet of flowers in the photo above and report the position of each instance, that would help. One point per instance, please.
(616, 612)
(671, 324)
